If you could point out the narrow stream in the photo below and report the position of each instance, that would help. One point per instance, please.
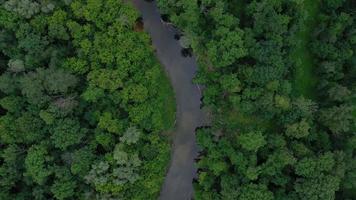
(181, 70)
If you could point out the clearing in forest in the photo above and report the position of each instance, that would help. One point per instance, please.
(305, 79)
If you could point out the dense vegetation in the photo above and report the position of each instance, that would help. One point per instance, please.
(83, 102)
(280, 78)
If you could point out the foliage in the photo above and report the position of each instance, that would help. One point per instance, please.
(83, 102)
(279, 78)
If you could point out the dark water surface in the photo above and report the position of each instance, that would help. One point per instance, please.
(181, 70)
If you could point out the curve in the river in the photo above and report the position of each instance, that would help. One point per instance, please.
(181, 70)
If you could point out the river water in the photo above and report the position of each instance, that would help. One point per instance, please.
(181, 70)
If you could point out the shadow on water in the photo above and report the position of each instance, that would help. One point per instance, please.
(177, 36)
(139, 25)
(165, 18)
(187, 52)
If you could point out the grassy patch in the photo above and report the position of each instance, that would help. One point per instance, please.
(354, 114)
(237, 120)
(305, 79)
(169, 103)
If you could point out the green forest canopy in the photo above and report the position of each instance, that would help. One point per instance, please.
(280, 78)
(83, 103)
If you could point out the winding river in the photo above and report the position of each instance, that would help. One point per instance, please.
(181, 70)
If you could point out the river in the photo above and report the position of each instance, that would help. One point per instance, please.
(181, 70)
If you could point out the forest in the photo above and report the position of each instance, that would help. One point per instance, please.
(280, 80)
(86, 109)
(84, 102)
